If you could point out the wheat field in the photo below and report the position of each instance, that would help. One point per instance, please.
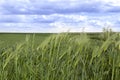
(61, 57)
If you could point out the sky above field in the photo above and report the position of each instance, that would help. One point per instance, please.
(59, 15)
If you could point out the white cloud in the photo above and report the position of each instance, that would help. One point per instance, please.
(75, 23)
(58, 15)
(112, 2)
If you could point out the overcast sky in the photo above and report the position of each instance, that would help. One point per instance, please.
(59, 15)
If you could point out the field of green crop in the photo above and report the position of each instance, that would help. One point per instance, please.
(62, 56)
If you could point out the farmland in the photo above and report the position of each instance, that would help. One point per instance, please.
(65, 56)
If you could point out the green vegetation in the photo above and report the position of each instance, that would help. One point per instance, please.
(62, 56)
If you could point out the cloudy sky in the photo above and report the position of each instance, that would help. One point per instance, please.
(59, 15)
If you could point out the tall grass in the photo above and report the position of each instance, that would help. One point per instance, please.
(62, 57)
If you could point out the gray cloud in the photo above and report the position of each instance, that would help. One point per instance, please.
(9, 19)
(57, 15)
(46, 7)
(114, 9)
